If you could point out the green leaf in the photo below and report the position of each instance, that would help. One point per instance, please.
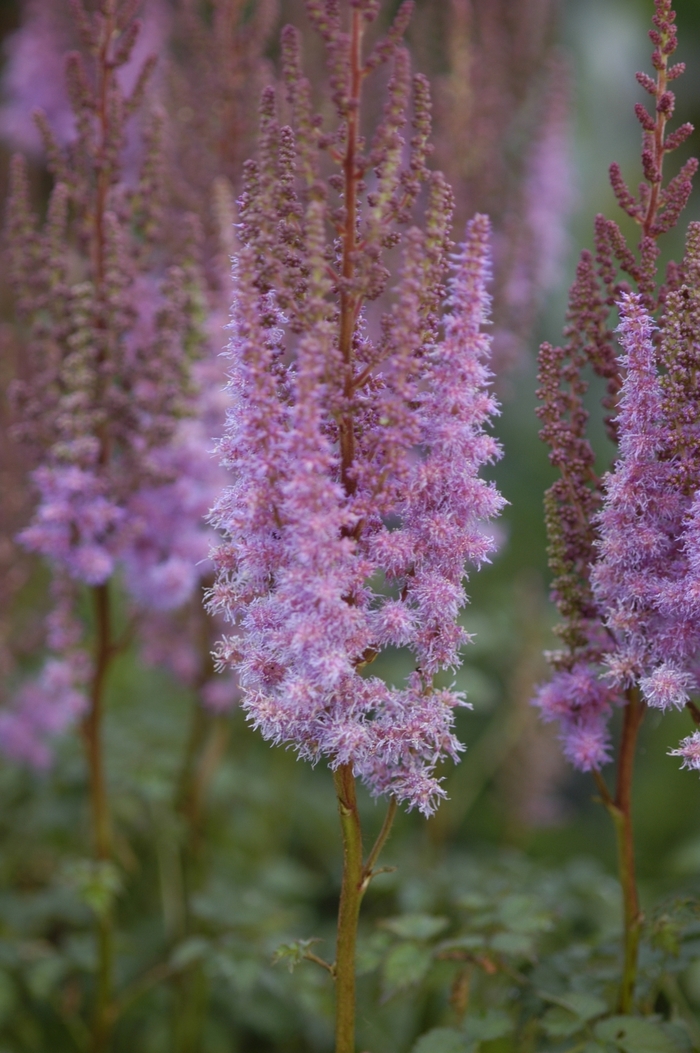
(370, 952)
(8, 996)
(560, 1023)
(666, 935)
(585, 1006)
(415, 926)
(97, 881)
(520, 914)
(679, 1036)
(473, 901)
(189, 951)
(406, 964)
(515, 943)
(633, 1035)
(463, 943)
(44, 976)
(441, 1040)
(240, 973)
(493, 1024)
(294, 953)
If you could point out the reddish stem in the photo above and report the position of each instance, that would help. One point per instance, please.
(659, 148)
(349, 301)
(620, 809)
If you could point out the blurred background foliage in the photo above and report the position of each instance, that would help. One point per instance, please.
(497, 931)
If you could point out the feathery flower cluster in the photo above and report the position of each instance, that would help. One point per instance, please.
(623, 548)
(110, 334)
(642, 578)
(356, 499)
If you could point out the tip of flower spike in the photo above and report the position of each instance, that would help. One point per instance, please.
(472, 272)
(634, 316)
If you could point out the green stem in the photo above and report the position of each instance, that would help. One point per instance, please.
(356, 879)
(620, 809)
(205, 748)
(99, 806)
(379, 844)
(348, 910)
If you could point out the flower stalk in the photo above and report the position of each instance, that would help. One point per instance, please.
(356, 879)
(348, 911)
(619, 808)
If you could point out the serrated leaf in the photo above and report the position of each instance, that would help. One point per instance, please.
(405, 964)
(493, 1024)
(633, 1035)
(441, 1040)
(415, 926)
(294, 953)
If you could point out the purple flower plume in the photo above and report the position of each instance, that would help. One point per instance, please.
(107, 399)
(319, 576)
(641, 558)
(355, 502)
(645, 577)
(43, 708)
(580, 701)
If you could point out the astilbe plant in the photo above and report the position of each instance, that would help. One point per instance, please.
(623, 547)
(109, 329)
(356, 500)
